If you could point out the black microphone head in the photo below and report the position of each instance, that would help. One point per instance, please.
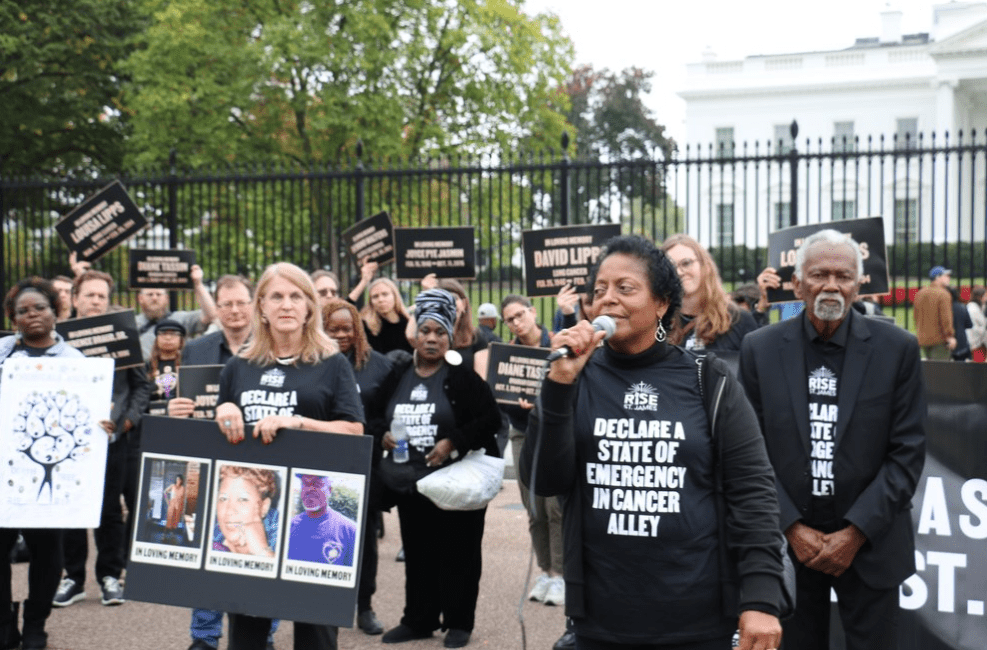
(605, 324)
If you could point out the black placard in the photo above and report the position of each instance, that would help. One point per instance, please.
(101, 223)
(201, 385)
(516, 371)
(869, 235)
(161, 269)
(555, 257)
(373, 237)
(112, 335)
(446, 252)
(174, 569)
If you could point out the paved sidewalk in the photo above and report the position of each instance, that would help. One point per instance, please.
(88, 625)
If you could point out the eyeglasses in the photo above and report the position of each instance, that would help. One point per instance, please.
(230, 304)
(327, 293)
(516, 318)
(684, 265)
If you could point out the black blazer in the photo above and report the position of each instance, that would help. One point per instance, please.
(205, 351)
(880, 436)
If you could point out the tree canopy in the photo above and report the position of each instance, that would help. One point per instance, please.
(301, 81)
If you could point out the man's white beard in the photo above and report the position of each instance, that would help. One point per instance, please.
(828, 312)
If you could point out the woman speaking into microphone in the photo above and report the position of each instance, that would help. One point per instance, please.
(623, 433)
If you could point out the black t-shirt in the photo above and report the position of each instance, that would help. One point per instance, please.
(648, 507)
(469, 352)
(322, 391)
(370, 377)
(31, 351)
(423, 406)
(391, 336)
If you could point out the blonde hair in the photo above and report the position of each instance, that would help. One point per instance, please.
(715, 316)
(370, 315)
(316, 345)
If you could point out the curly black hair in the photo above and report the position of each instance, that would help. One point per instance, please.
(31, 283)
(665, 283)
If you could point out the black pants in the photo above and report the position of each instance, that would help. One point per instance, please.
(585, 643)
(43, 574)
(250, 633)
(443, 560)
(869, 616)
(131, 478)
(109, 535)
(368, 563)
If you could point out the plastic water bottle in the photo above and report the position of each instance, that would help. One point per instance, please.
(400, 432)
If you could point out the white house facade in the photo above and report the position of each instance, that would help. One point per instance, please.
(889, 124)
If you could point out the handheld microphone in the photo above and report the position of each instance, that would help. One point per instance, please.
(600, 324)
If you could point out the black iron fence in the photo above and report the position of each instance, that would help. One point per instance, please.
(931, 192)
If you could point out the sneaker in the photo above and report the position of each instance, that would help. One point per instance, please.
(541, 588)
(112, 591)
(369, 623)
(68, 592)
(556, 592)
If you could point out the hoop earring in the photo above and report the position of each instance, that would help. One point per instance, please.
(660, 333)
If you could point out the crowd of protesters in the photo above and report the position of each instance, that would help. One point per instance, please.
(298, 322)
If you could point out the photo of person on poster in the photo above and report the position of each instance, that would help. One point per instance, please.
(319, 533)
(246, 514)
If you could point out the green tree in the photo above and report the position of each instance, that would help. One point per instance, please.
(302, 82)
(59, 83)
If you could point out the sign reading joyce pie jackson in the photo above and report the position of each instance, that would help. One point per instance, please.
(161, 269)
(446, 252)
(52, 447)
(101, 223)
(373, 238)
(869, 235)
(265, 530)
(516, 371)
(555, 257)
(110, 336)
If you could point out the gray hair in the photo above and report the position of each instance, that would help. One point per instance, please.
(828, 236)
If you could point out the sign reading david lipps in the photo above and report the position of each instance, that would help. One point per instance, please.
(111, 336)
(446, 252)
(869, 235)
(516, 371)
(555, 257)
(101, 223)
(372, 238)
(161, 269)
(264, 530)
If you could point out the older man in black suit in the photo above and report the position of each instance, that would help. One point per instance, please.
(841, 404)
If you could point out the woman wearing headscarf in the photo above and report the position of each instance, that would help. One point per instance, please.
(624, 434)
(448, 410)
(292, 360)
(707, 319)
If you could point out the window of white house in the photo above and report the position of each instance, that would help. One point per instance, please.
(843, 137)
(782, 142)
(843, 210)
(783, 215)
(724, 222)
(906, 135)
(724, 142)
(905, 219)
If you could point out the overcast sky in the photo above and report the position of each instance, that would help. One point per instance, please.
(665, 35)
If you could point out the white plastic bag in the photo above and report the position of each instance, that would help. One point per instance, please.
(469, 484)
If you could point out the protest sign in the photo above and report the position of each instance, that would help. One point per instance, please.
(201, 385)
(101, 223)
(371, 238)
(446, 252)
(188, 554)
(516, 371)
(52, 447)
(112, 336)
(161, 269)
(869, 235)
(555, 257)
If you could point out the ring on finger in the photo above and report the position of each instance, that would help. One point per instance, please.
(228, 423)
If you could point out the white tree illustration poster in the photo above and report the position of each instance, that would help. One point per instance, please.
(52, 447)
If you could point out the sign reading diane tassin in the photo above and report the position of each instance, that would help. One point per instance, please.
(555, 257)
(161, 269)
(101, 223)
(869, 235)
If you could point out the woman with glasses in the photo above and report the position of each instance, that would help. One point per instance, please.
(708, 318)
